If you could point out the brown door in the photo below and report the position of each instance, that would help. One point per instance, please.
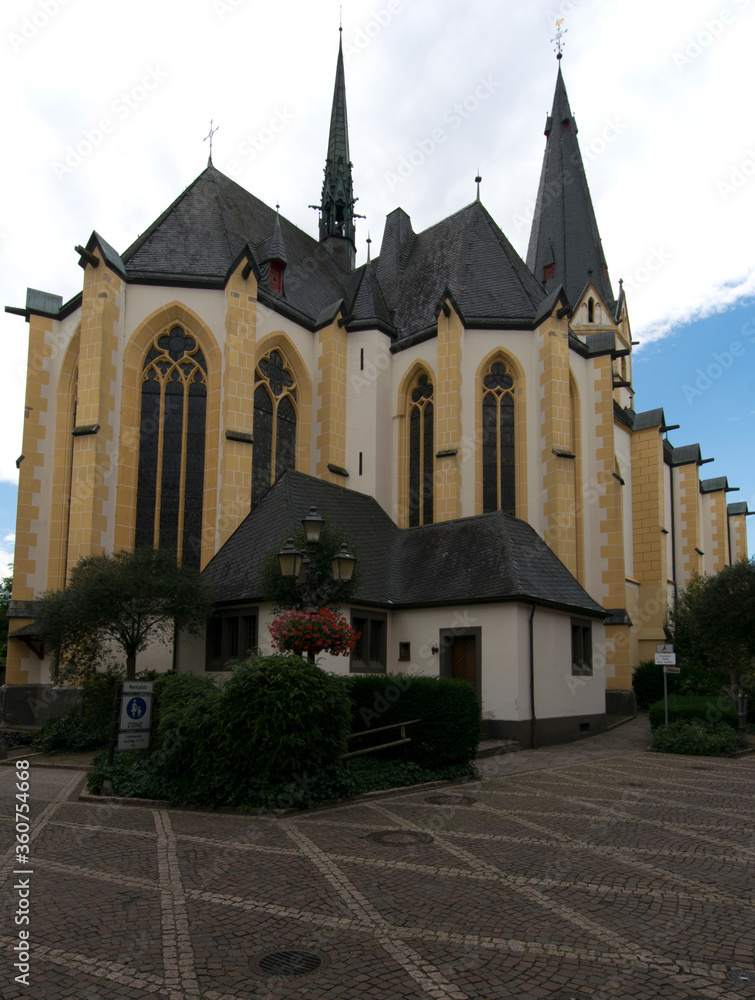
(464, 659)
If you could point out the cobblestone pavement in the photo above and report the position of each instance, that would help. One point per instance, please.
(594, 870)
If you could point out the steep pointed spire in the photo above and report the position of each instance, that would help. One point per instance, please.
(565, 243)
(337, 203)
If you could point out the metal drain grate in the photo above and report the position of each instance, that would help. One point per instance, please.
(287, 963)
(399, 838)
(450, 800)
(736, 976)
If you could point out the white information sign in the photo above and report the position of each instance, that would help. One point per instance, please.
(665, 659)
(672, 670)
(664, 647)
(136, 711)
(137, 687)
(133, 741)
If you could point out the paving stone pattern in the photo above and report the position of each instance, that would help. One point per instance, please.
(595, 870)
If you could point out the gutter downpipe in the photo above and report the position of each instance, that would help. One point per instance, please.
(533, 719)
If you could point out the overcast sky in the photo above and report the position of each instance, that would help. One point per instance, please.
(107, 106)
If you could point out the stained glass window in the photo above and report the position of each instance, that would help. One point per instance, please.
(170, 481)
(274, 448)
(421, 452)
(498, 470)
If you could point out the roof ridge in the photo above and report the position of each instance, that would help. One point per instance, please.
(221, 212)
(516, 261)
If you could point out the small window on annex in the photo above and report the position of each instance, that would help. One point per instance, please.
(581, 648)
(231, 637)
(369, 654)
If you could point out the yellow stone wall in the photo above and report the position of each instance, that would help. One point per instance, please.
(556, 434)
(447, 503)
(94, 473)
(239, 359)
(716, 559)
(331, 395)
(738, 535)
(610, 526)
(650, 546)
(690, 527)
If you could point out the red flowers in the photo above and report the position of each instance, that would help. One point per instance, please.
(313, 632)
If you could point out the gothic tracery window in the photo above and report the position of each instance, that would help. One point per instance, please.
(274, 448)
(421, 452)
(498, 470)
(172, 446)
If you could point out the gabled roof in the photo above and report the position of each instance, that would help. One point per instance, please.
(199, 237)
(467, 253)
(564, 229)
(490, 558)
(368, 310)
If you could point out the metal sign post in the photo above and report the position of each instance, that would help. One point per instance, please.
(666, 657)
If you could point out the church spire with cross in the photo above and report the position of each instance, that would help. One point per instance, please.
(565, 246)
(337, 203)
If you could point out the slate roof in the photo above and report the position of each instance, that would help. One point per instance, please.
(494, 557)
(466, 254)
(564, 229)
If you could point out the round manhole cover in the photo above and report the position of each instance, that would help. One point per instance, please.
(450, 800)
(399, 838)
(736, 976)
(286, 963)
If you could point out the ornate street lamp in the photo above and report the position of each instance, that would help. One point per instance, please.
(302, 568)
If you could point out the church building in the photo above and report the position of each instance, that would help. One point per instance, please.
(468, 416)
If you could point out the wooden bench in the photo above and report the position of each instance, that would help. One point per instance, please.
(404, 739)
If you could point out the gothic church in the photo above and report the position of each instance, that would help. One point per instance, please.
(468, 416)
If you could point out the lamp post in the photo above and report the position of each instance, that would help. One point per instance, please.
(301, 567)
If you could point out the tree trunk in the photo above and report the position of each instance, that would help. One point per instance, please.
(131, 666)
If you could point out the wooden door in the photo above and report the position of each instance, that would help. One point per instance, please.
(464, 659)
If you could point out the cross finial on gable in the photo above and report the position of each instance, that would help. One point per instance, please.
(558, 37)
(209, 136)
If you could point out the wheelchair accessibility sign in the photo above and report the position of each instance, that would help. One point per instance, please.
(136, 712)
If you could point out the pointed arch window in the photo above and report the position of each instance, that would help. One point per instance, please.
(498, 470)
(421, 418)
(170, 482)
(274, 423)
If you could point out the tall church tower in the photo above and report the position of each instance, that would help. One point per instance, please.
(565, 247)
(337, 202)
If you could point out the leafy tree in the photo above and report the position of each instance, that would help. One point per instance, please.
(713, 623)
(5, 595)
(130, 598)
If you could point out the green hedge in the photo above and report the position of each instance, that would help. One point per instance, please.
(450, 728)
(695, 738)
(647, 681)
(270, 736)
(691, 707)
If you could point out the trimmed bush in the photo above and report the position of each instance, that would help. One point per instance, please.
(450, 728)
(691, 708)
(270, 737)
(695, 738)
(647, 681)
